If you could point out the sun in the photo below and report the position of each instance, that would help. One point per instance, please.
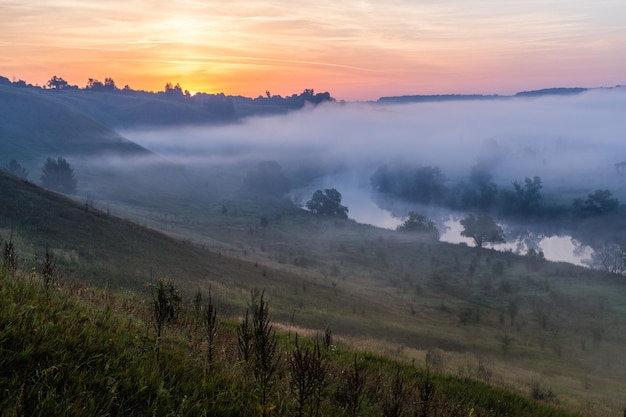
(183, 29)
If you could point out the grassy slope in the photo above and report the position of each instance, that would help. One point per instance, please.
(403, 295)
(378, 290)
(70, 350)
(34, 126)
(97, 248)
(127, 110)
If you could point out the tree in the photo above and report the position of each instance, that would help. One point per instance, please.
(95, 85)
(418, 223)
(268, 178)
(58, 175)
(109, 84)
(609, 257)
(327, 203)
(481, 196)
(385, 180)
(528, 195)
(14, 168)
(481, 192)
(423, 184)
(173, 91)
(482, 229)
(427, 185)
(598, 203)
(57, 83)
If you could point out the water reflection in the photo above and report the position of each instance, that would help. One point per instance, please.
(388, 212)
(563, 248)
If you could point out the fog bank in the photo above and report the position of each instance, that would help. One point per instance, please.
(569, 141)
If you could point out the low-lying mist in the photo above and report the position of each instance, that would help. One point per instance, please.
(571, 142)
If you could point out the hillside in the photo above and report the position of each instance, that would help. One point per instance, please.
(434, 98)
(80, 124)
(516, 322)
(120, 109)
(97, 248)
(34, 126)
(76, 351)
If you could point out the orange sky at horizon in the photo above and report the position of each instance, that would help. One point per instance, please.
(356, 50)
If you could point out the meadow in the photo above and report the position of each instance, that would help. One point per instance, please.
(68, 349)
(544, 332)
(444, 329)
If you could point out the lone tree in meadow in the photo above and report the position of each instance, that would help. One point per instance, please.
(327, 203)
(482, 229)
(58, 175)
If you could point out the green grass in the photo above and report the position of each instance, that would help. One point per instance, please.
(74, 350)
(380, 291)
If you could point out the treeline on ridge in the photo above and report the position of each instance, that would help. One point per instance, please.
(219, 104)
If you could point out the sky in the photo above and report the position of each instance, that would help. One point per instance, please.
(354, 49)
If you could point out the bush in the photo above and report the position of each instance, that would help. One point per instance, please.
(257, 347)
(166, 306)
(419, 223)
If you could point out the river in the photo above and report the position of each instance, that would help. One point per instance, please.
(388, 212)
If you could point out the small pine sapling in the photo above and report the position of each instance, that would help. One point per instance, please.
(48, 269)
(166, 306)
(10, 258)
(308, 368)
(395, 401)
(351, 392)
(210, 326)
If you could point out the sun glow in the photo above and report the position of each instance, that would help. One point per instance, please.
(354, 50)
(182, 30)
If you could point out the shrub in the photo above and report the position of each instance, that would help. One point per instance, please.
(540, 393)
(426, 395)
(10, 257)
(434, 358)
(210, 326)
(257, 348)
(308, 367)
(395, 400)
(166, 306)
(48, 269)
(350, 393)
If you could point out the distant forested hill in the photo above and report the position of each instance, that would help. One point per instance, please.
(127, 108)
(64, 120)
(467, 97)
